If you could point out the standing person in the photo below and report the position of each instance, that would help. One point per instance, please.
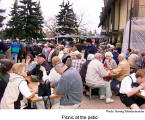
(70, 85)
(24, 52)
(20, 55)
(15, 48)
(129, 89)
(45, 50)
(115, 55)
(90, 48)
(95, 45)
(5, 49)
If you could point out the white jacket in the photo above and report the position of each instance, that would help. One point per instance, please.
(12, 93)
(96, 72)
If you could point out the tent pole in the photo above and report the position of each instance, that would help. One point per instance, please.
(130, 26)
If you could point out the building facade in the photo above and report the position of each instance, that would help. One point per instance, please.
(115, 15)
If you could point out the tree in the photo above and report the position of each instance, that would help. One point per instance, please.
(66, 19)
(26, 22)
(30, 16)
(14, 26)
(1, 23)
(50, 25)
(1, 17)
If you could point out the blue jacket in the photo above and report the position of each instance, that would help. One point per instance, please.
(15, 47)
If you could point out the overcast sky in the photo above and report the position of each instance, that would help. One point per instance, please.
(90, 8)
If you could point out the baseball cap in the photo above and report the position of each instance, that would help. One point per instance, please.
(41, 55)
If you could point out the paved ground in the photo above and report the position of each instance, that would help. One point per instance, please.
(95, 103)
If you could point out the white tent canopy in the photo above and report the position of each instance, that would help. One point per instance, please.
(137, 40)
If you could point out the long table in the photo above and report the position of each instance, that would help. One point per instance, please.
(34, 87)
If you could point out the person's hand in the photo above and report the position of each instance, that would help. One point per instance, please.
(28, 60)
(42, 68)
(142, 85)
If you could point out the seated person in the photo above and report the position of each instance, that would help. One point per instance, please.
(70, 85)
(94, 78)
(30, 63)
(84, 67)
(122, 70)
(41, 62)
(78, 62)
(129, 89)
(17, 91)
(53, 77)
(5, 70)
(66, 58)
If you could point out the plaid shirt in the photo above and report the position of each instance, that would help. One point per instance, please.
(77, 64)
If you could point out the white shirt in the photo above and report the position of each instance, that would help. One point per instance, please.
(23, 87)
(126, 84)
(52, 77)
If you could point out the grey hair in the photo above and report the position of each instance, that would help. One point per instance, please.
(122, 55)
(98, 55)
(136, 51)
(59, 65)
(109, 54)
(90, 57)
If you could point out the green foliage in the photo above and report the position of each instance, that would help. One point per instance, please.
(26, 21)
(1, 17)
(66, 20)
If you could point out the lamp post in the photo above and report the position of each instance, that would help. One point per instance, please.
(130, 26)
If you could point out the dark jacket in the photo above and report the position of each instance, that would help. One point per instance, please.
(83, 70)
(3, 46)
(90, 50)
(4, 78)
(115, 56)
(36, 71)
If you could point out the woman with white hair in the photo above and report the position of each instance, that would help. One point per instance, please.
(109, 62)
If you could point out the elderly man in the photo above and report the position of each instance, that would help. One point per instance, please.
(122, 70)
(41, 62)
(129, 88)
(94, 78)
(37, 71)
(70, 84)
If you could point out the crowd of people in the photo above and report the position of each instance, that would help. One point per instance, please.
(71, 71)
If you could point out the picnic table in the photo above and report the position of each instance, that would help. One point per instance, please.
(34, 87)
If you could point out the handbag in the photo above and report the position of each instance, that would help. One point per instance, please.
(44, 89)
